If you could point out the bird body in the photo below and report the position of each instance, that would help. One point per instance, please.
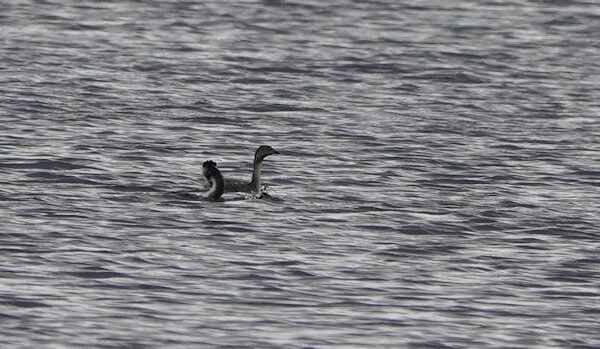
(254, 185)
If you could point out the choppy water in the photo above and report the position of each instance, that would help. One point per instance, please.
(438, 187)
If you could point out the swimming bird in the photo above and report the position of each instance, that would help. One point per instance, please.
(254, 186)
(214, 178)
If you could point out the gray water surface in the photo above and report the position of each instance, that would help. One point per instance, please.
(438, 185)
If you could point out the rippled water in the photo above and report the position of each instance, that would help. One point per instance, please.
(438, 184)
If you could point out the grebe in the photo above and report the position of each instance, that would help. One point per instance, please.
(214, 178)
(254, 186)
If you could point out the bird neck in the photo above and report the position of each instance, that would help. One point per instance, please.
(256, 174)
(217, 185)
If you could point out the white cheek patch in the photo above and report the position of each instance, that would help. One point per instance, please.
(212, 190)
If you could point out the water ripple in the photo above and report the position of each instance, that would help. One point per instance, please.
(437, 184)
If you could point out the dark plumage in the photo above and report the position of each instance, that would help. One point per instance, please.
(214, 178)
(254, 186)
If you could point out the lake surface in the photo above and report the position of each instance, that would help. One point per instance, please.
(438, 184)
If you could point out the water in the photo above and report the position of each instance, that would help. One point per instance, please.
(438, 184)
